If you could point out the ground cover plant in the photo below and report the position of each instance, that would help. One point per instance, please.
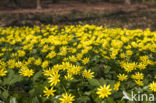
(79, 64)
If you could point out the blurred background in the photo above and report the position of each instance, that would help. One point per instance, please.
(131, 14)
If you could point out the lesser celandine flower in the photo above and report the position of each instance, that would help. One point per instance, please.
(142, 66)
(21, 53)
(139, 82)
(26, 72)
(63, 54)
(116, 86)
(11, 63)
(49, 92)
(85, 60)
(38, 62)
(153, 86)
(66, 98)
(88, 74)
(138, 76)
(3, 72)
(122, 77)
(73, 58)
(45, 64)
(54, 79)
(104, 91)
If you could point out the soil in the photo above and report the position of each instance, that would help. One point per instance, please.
(62, 8)
(102, 13)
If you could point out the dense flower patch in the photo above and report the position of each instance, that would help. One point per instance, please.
(75, 63)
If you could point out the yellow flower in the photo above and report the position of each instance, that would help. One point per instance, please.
(45, 64)
(14, 55)
(51, 55)
(142, 66)
(47, 72)
(114, 53)
(153, 86)
(47, 92)
(45, 49)
(116, 86)
(88, 74)
(79, 56)
(150, 62)
(74, 70)
(128, 47)
(104, 91)
(122, 77)
(1, 54)
(73, 58)
(38, 62)
(66, 98)
(3, 72)
(65, 59)
(54, 79)
(129, 66)
(69, 76)
(3, 49)
(74, 44)
(129, 52)
(30, 60)
(11, 63)
(72, 50)
(63, 51)
(19, 64)
(27, 72)
(85, 60)
(66, 65)
(134, 44)
(122, 55)
(144, 58)
(21, 53)
(139, 82)
(138, 76)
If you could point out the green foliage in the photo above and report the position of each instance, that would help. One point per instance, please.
(26, 83)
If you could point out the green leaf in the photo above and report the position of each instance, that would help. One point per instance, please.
(87, 93)
(102, 81)
(93, 82)
(9, 77)
(107, 70)
(13, 100)
(111, 82)
(37, 75)
(83, 99)
(109, 100)
(35, 100)
(12, 78)
(0, 81)
(32, 92)
(1, 101)
(96, 99)
(5, 94)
